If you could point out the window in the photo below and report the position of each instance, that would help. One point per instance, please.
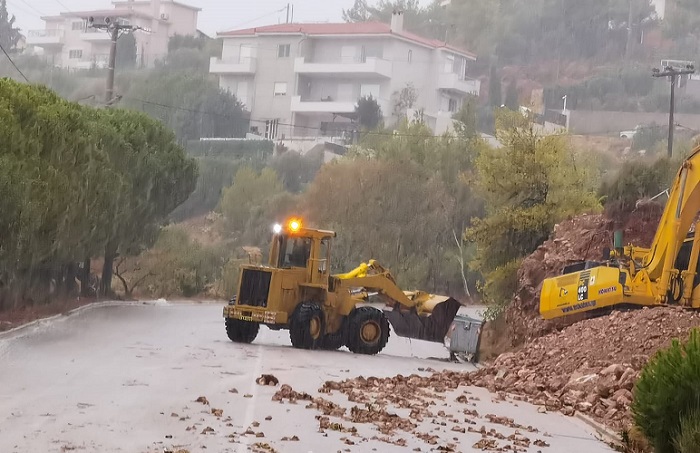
(452, 106)
(410, 55)
(324, 255)
(294, 252)
(78, 25)
(280, 88)
(75, 54)
(283, 50)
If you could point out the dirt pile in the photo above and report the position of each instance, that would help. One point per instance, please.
(578, 239)
(590, 366)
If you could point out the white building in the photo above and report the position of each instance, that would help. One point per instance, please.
(68, 42)
(305, 79)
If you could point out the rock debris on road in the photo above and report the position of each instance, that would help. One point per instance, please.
(153, 379)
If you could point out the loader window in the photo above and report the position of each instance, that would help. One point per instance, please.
(294, 252)
(324, 256)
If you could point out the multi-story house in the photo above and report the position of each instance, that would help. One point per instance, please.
(305, 79)
(68, 42)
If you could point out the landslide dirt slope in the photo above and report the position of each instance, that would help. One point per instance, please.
(591, 365)
(580, 238)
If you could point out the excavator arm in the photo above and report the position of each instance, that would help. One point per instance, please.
(661, 274)
(412, 314)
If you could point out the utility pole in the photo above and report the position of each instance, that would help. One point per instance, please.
(673, 74)
(114, 28)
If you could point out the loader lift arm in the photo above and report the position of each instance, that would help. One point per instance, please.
(661, 274)
(413, 314)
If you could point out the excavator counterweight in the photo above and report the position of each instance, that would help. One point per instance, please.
(663, 274)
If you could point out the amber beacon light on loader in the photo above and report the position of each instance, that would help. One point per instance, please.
(664, 274)
(297, 292)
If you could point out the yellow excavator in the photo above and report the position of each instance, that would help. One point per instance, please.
(664, 274)
(296, 291)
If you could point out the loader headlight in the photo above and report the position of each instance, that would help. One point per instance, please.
(277, 228)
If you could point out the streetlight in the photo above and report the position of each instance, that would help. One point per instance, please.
(672, 74)
(564, 98)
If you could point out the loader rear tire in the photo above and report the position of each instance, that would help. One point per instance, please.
(307, 326)
(368, 331)
(241, 331)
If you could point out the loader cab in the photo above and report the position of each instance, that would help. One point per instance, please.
(302, 251)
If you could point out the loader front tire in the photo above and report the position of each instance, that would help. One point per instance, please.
(368, 331)
(307, 326)
(240, 331)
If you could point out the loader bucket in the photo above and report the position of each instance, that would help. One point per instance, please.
(430, 326)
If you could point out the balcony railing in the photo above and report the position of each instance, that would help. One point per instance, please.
(95, 34)
(239, 65)
(454, 82)
(45, 37)
(370, 66)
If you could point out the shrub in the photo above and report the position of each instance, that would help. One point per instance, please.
(667, 391)
(634, 181)
(688, 438)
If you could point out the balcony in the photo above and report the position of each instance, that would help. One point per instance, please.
(305, 105)
(369, 67)
(45, 38)
(95, 35)
(450, 81)
(316, 106)
(241, 65)
(93, 62)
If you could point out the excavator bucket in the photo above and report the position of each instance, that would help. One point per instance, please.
(429, 321)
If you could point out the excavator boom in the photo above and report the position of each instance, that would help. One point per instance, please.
(664, 273)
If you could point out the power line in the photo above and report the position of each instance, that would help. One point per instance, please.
(26, 3)
(13, 64)
(223, 115)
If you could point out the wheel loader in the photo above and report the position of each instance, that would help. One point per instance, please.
(295, 291)
(666, 273)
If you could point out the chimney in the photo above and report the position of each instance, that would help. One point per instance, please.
(397, 21)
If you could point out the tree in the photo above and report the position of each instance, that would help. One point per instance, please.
(178, 99)
(428, 21)
(404, 99)
(368, 112)
(158, 177)
(9, 34)
(528, 185)
(495, 88)
(466, 118)
(512, 101)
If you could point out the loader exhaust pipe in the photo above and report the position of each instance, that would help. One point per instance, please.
(429, 327)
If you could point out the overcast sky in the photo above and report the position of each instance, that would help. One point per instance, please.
(216, 15)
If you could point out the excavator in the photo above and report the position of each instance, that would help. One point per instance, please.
(666, 273)
(295, 291)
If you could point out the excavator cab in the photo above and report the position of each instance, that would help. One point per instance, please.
(296, 291)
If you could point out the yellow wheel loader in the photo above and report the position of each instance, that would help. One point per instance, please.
(628, 276)
(296, 291)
